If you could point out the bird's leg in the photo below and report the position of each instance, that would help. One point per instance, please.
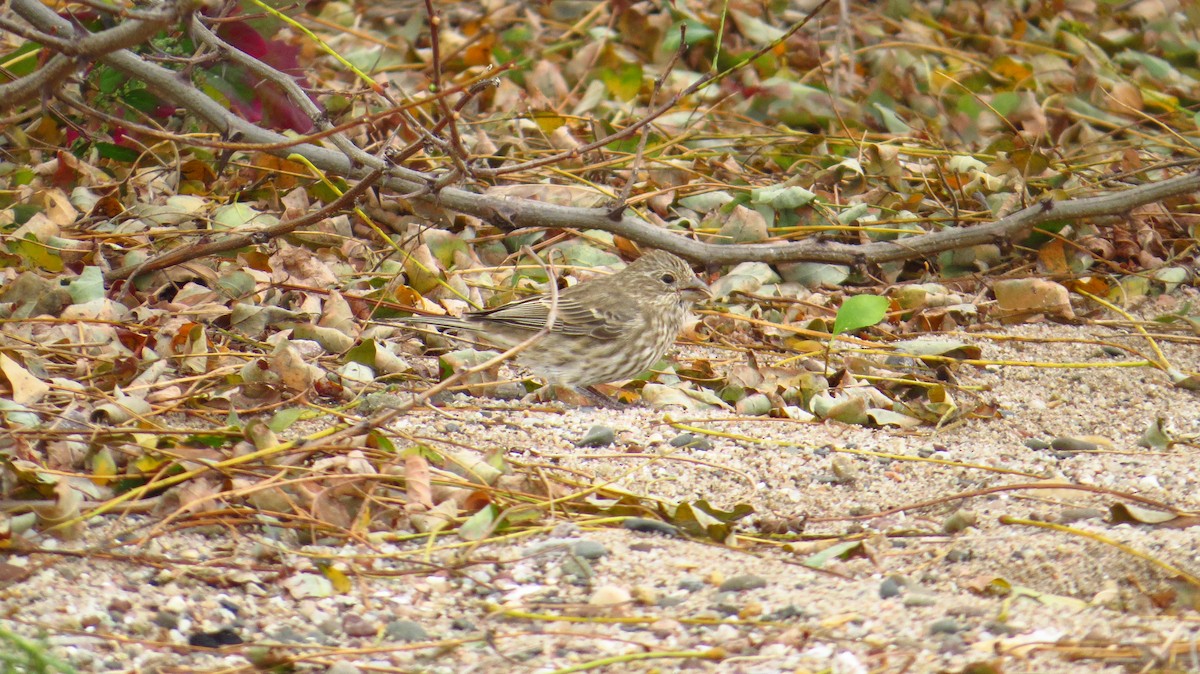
(582, 396)
(601, 400)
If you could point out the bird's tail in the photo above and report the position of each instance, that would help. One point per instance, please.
(439, 321)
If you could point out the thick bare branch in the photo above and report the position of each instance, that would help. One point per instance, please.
(922, 245)
(75, 50)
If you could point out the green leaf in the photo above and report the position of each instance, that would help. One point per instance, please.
(285, 418)
(1158, 68)
(969, 106)
(892, 120)
(36, 253)
(782, 196)
(238, 215)
(235, 284)
(843, 550)
(19, 66)
(860, 311)
(140, 99)
(382, 442)
(110, 79)
(206, 439)
(696, 32)
(624, 82)
(87, 286)
(117, 152)
(480, 525)
(853, 213)
(363, 354)
(707, 201)
(322, 192)
(1155, 437)
(1005, 102)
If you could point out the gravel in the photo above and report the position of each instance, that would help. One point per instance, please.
(932, 587)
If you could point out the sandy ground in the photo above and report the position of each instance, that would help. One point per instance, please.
(927, 581)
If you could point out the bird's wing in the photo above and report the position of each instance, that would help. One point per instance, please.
(574, 316)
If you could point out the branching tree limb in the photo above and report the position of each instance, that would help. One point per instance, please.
(74, 50)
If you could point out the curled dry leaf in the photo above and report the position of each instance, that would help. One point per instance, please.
(1019, 300)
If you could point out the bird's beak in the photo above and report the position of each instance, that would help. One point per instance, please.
(696, 290)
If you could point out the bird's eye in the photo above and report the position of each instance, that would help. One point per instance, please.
(667, 278)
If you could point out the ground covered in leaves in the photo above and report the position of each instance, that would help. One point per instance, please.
(980, 459)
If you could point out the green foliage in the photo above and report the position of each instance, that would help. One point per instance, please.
(26, 656)
(860, 311)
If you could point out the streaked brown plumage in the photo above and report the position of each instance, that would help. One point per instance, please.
(606, 329)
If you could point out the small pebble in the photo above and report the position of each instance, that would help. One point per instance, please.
(743, 583)
(597, 436)
(609, 595)
(1072, 515)
(589, 549)
(119, 605)
(750, 611)
(959, 521)
(649, 526)
(1064, 444)
(645, 595)
(890, 587)
(1001, 628)
(664, 627)
(957, 555)
(951, 644)
(577, 568)
(844, 469)
(406, 630)
(917, 600)
(682, 440)
(945, 626)
(165, 619)
(725, 605)
(789, 612)
(217, 639)
(356, 626)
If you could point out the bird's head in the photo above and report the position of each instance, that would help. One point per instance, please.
(667, 276)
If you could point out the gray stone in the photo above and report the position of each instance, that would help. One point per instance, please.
(890, 587)
(406, 630)
(945, 626)
(597, 436)
(589, 549)
(743, 583)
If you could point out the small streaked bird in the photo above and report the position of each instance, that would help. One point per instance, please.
(606, 329)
